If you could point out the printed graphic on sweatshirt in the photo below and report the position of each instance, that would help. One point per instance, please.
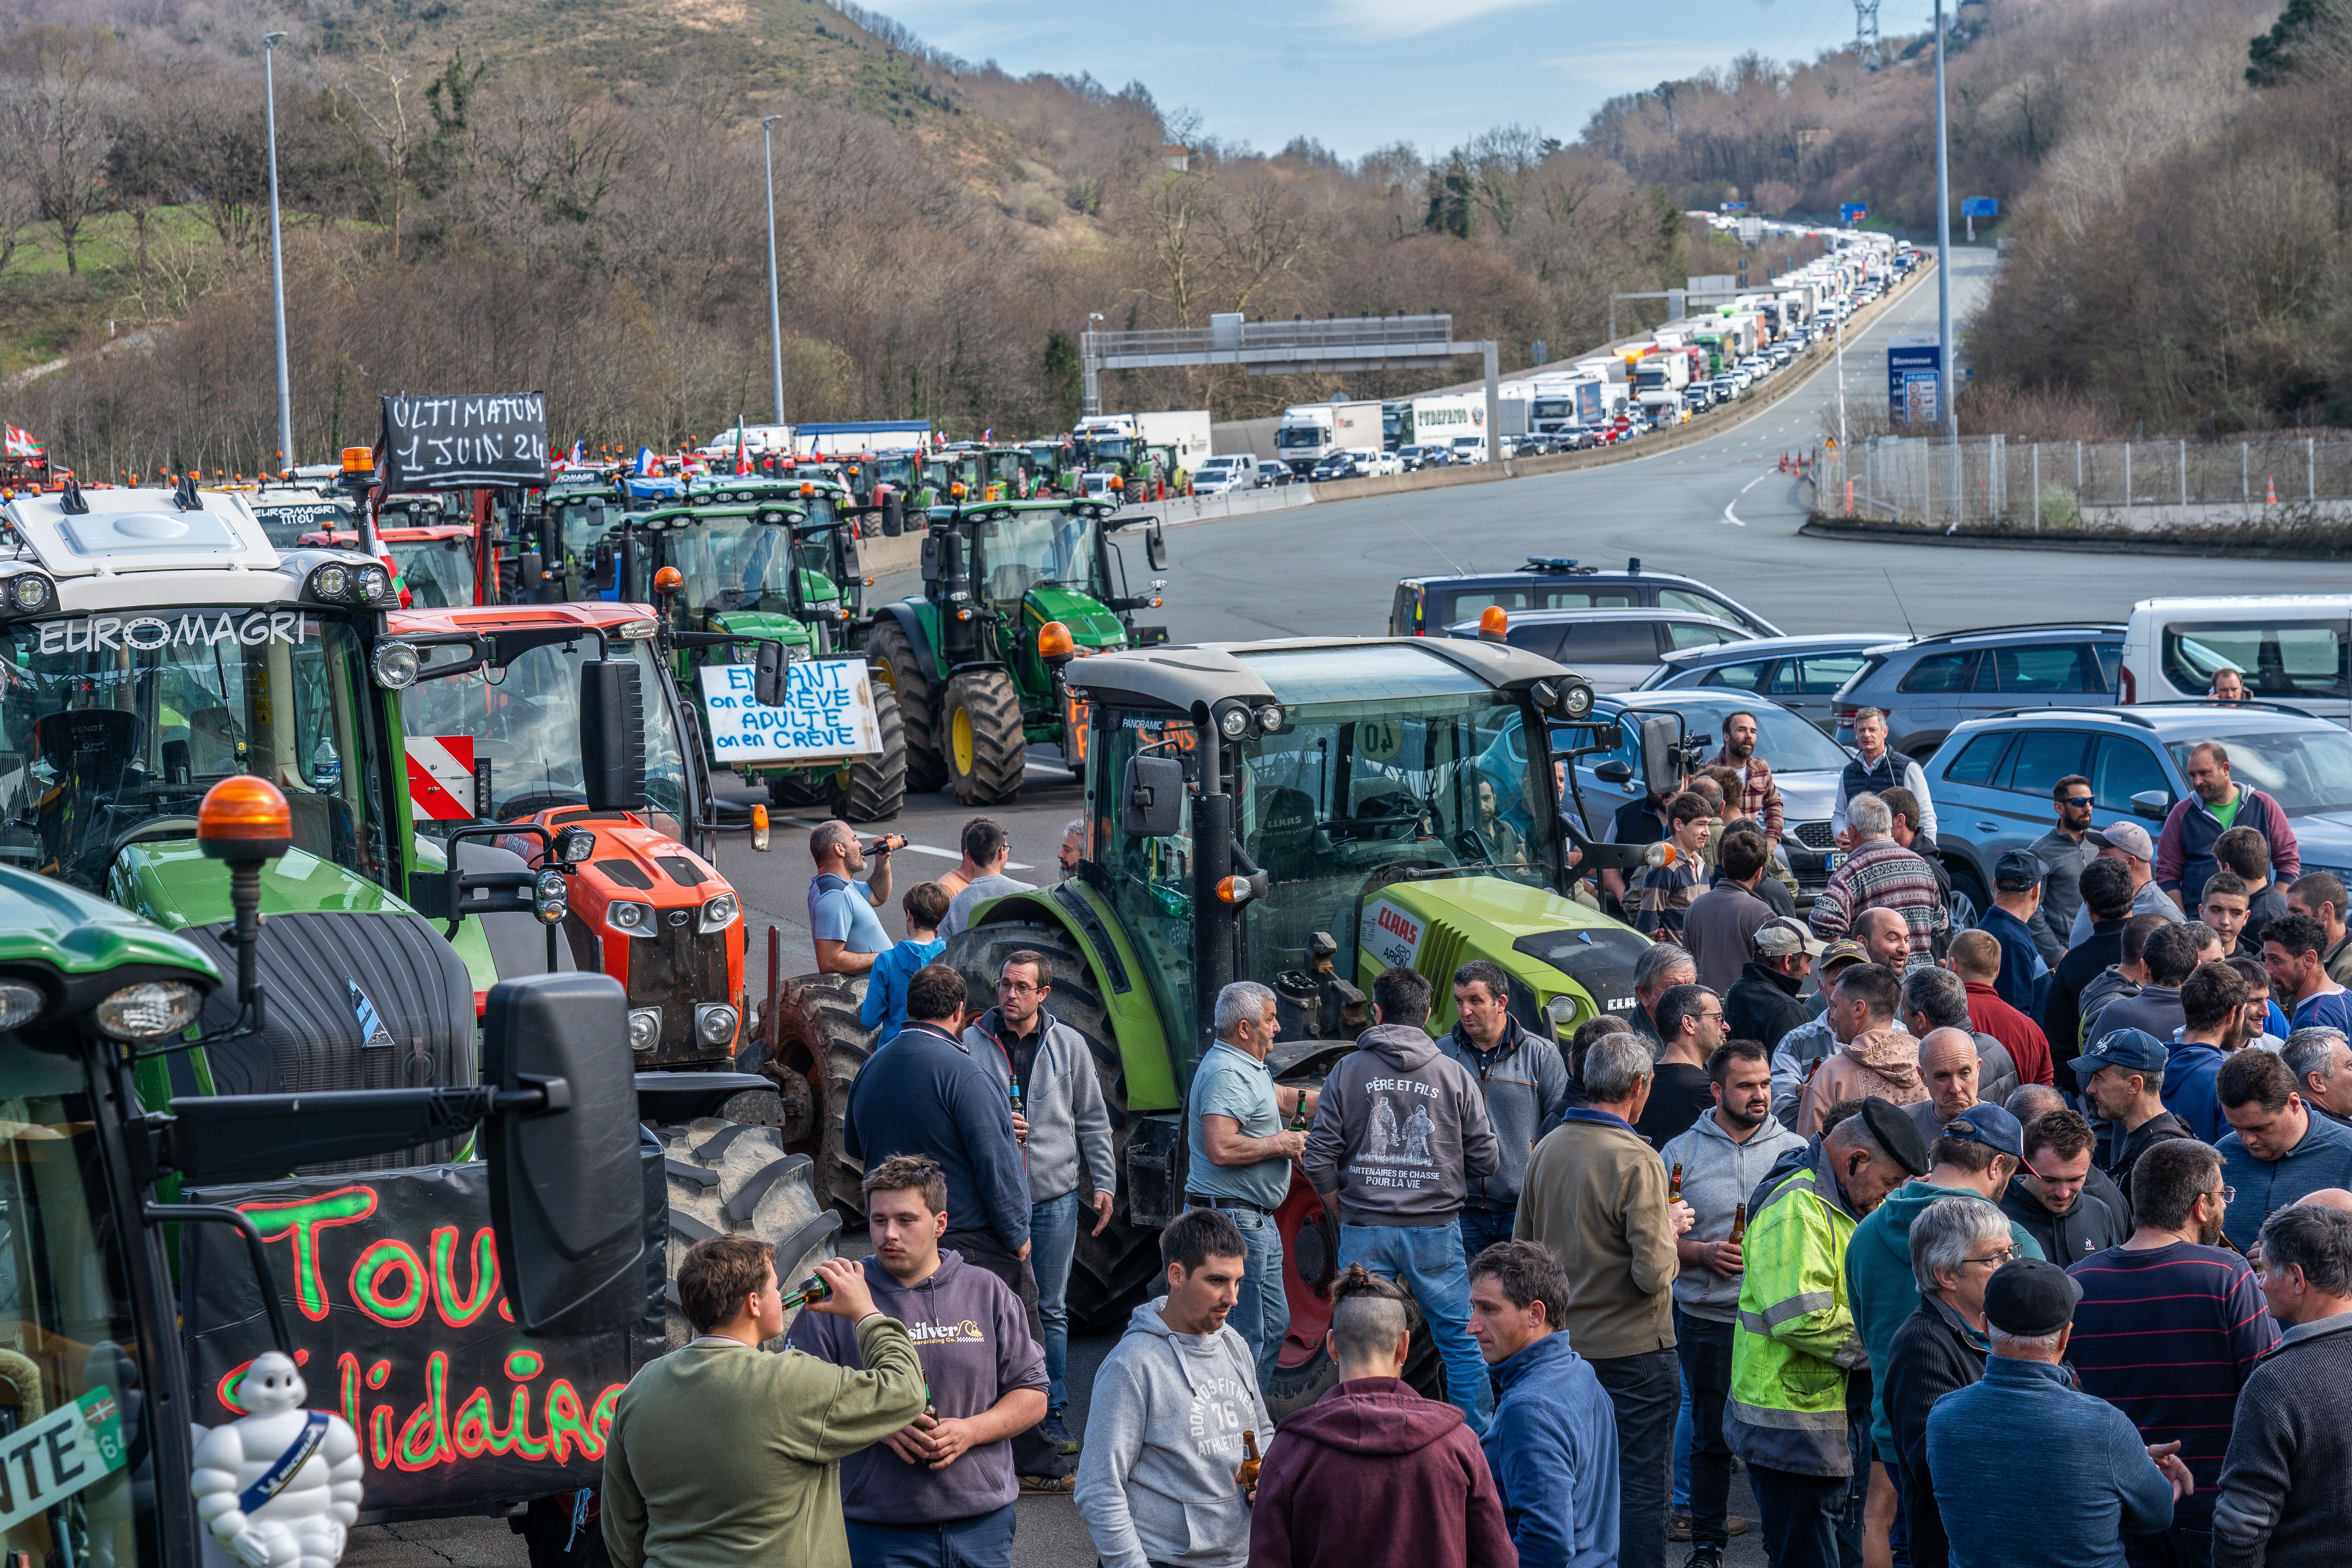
(965, 1332)
(1397, 1153)
(1221, 1410)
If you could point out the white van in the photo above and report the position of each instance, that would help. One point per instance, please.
(1231, 472)
(2290, 648)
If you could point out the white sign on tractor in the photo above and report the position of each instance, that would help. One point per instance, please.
(827, 713)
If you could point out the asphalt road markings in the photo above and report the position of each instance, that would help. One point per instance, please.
(1733, 517)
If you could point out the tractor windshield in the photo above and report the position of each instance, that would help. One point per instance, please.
(284, 521)
(115, 725)
(69, 1372)
(437, 572)
(740, 564)
(523, 718)
(1032, 549)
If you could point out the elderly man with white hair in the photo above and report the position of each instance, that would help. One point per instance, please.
(1880, 874)
(1956, 1244)
(2322, 1060)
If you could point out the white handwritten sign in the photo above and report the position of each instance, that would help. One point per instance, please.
(827, 713)
(451, 442)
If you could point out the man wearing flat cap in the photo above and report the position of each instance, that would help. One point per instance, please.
(1795, 1345)
(2027, 1469)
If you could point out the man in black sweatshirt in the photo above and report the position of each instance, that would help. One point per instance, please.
(2107, 892)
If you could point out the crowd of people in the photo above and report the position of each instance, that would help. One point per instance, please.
(2028, 1242)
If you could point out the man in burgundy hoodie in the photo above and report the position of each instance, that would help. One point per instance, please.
(1372, 1450)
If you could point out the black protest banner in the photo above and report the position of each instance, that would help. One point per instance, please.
(400, 1324)
(452, 442)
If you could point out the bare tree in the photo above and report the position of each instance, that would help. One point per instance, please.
(56, 110)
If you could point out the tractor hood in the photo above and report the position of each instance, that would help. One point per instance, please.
(633, 860)
(176, 884)
(1091, 623)
(73, 932)
(767, 623)
(1549, 944)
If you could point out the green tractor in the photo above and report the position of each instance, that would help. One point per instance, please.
(774, 559)
(1304, 814)
(1012, 592)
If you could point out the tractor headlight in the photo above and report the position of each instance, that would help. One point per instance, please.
(21, 1004)
(1269, 718)
(331, 582)
(396, 665)
(551, 898)
(143, 1011)
(573, 844)
(717, 914)
(714, 1024)
(375, 582)
(630, 919)
(1234, 723)
(1576, 698)
(29, 592)
(644, 1028)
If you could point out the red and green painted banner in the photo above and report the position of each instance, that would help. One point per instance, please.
(401, 1324)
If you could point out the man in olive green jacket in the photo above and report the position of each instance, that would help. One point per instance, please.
(722, 1456)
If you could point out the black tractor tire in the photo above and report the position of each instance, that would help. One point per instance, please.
(983, 704)
(1295, 1386)
(801, 789)
(833, 1000)
(734, 1178)
(872, 789)
(908, 672)
(1112, 1269)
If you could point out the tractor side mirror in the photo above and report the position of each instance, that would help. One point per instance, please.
(934, 546)
(567, 1192)
(612, 735)
(530, 570)
(600, 563)
(1155, 547)
(768, 675)
(894, 515)
(1151, 798)
(1662, 753)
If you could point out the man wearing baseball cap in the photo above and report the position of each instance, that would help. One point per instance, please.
(2123, 1080)
(2016, 898)
(1797, 1053)
(1974, 1156)
(2129, 842)
(1761, 1004)
(2026, 1469)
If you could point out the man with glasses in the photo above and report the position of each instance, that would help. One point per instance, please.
(2063, 851)
(1046, 1072)
(1690, 1021)
(2169, 1327)
(1956, 1244)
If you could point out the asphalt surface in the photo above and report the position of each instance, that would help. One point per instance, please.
(1718, 510)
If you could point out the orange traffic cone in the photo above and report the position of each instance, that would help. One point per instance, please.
(2270, 490)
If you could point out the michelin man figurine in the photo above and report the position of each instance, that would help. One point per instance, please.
(279, 1486)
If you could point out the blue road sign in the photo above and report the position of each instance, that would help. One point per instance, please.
(1853, 212)
(1914, 380)
(1979, 207)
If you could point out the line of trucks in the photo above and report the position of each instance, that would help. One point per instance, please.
(1647, 383)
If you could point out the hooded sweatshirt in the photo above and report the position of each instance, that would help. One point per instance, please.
(1373, 1448)
(971, 1335)
(1883, 1289)
(1883, 1063)
(1719, 1174)
(1163, 1439)
(1399, 1132)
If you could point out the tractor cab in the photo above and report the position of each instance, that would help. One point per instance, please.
(437, 564)
(558, 723)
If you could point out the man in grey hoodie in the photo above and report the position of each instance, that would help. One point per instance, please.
(1523, 1082)
(1722, 1156)
(1400, 1134)
(1059, 1116)
(1158, 1478)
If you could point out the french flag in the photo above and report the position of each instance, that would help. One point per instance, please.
(644, 465)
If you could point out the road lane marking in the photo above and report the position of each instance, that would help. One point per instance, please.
(1731, 517)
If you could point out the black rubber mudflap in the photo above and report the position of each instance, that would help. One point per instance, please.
(354, 1001)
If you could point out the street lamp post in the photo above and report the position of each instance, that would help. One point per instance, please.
(1091, 401)
(775, 299)
(1945, 374)
(277, 257)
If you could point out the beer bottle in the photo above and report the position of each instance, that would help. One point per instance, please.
(813, 1289)
(1298, 1113)
(1674, 1184)
(1249, 1462)
(930, 1409)
(1738, 1222)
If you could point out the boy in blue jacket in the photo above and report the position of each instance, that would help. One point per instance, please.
(925, 906)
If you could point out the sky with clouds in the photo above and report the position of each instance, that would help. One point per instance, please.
(1358, 74)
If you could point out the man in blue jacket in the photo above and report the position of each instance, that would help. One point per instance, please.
(1552, 1443)
(2276, 1152)
(2028, 1468)
(2016, 898)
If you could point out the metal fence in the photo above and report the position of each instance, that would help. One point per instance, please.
(2053, 485)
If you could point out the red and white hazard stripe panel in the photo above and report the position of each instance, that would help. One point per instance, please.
(441, 776)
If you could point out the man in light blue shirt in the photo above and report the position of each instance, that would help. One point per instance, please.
(1242, 1157)
(847, 932)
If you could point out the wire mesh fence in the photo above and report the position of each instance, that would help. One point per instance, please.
(1990, 480)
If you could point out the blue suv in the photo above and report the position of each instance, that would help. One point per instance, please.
(1991, 780)
(1929, 686)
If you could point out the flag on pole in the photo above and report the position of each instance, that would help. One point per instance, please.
(644, 467)
(20, 443)
(579, 451)
(742, 457)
